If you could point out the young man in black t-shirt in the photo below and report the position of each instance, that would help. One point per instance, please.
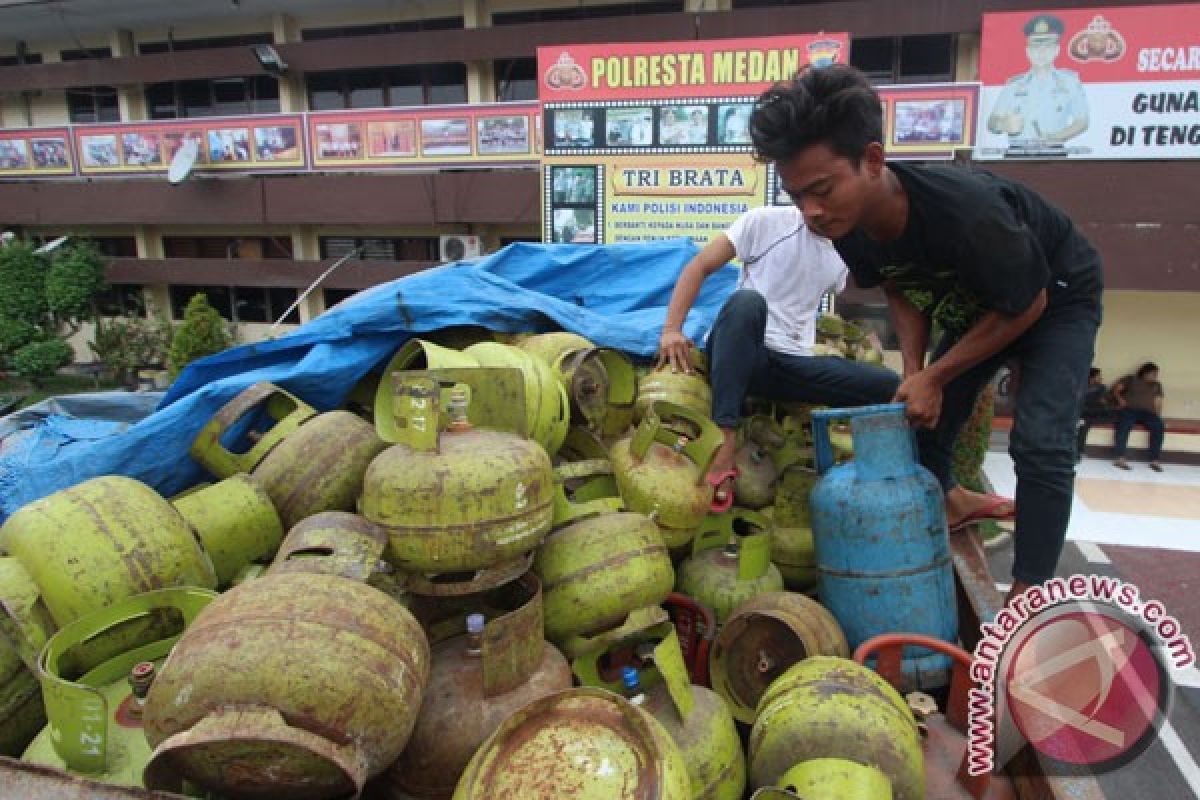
(1000, 272)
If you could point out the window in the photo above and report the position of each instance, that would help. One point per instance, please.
(122, 300)
(255, 94)
(244, 40)
(516, 79)
(19, 60)
(335, 296)
(239, 303)
(429, 84)
(440, 24)
(585, 12)
(91, 103)
(927, 58)
(229, 247)
(405, 248)
(114, 246)
(251, 94)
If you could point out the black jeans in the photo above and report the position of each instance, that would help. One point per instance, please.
(1129, 417)
(1053, 358)
(740, 364)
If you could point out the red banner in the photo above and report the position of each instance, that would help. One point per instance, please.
(1124, 43)
(1116, 82)
(714, 68)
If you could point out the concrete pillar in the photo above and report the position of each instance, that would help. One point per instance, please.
(131, 100)
(966, 61)
(481, 81)
(292, 95)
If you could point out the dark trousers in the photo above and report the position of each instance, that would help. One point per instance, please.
(1053, 358)
(1086, 422)
(1129, 417)
(741, 364)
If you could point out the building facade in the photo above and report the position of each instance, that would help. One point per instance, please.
(253, 240)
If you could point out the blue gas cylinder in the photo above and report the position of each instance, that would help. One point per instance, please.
(879, 529)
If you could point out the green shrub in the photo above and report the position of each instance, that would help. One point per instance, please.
(126, 344)
(15, 334)
(202, 333)
(39, 360)
(75, 277)
(23, 275)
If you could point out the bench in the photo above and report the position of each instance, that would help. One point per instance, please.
(1180, 445)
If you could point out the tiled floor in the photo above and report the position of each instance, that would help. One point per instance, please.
(1137, 508)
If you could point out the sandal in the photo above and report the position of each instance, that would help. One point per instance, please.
(717, 481)
(990, 510)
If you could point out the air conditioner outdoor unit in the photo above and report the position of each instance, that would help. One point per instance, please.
(457, 247)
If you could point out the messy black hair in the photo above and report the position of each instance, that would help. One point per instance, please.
(834, 105)
(1148, 367)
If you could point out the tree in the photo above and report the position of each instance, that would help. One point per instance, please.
(44, 300)
(125, 344)
(24, 311)
(73, 281)
(202, 333)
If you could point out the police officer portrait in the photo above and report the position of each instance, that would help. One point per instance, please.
(1042, 108)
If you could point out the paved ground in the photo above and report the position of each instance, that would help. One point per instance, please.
(1144, 528)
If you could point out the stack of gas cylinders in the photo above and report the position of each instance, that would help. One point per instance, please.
(496, 572)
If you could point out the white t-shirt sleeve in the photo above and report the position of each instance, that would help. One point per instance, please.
(741, 235)
(837, 268)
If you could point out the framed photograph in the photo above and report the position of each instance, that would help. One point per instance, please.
(573, 185)
(14, 154)
(99, 151)
(683, 125)
(173, 140)
(446, 137)
(276, 143)
(733, 123)
(229, 145)
(394, 139)
(339, 140)
(629, 127)
(503, 134)
(141, 149)
(50, 153)
(574, 127)
(930, 121)
(574, 226)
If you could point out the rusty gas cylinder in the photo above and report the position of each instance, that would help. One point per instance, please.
(827, 707)
(320, 466)
(661, 467)
(583, 743)
(598, 569)
(101, 540)
(457, 503)
(754, 486)
(296, 684)
(477, 681)
(647, 649)
(792, 548)
(762, 639)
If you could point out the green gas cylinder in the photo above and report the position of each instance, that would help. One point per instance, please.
(726, 569)
(95, 721)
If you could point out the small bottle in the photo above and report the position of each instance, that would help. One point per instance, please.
(475, 624)
(633, 686)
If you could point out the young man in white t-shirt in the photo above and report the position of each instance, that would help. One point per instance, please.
(762, 340)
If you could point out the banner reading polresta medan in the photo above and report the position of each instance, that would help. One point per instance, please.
(1105, 83)
(723, 67)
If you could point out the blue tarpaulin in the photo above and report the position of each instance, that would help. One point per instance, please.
(615, 295)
